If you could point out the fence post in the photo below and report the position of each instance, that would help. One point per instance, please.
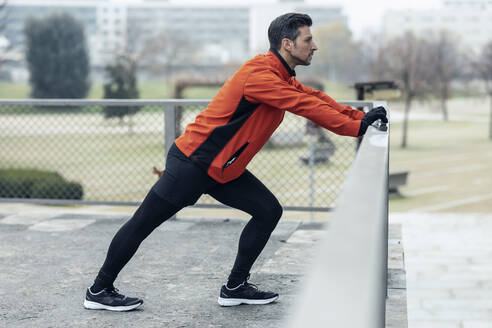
(311, 175)
(169, 126)
(169, 131)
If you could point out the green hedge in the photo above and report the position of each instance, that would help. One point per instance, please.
(32, 183)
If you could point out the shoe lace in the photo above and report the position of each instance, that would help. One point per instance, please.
(246, 283)
(114, 291)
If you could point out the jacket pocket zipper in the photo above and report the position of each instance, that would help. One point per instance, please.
(234, 156)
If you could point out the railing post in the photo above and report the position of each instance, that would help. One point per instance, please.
(169, 126)
(386, 233)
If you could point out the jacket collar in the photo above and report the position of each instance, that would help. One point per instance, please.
(289, 70)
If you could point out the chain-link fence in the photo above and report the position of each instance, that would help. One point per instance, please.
(103, 151)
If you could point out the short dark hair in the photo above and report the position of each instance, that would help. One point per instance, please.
(286, 26)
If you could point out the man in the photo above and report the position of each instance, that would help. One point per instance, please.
(212, 154)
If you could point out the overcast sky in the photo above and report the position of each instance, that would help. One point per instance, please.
(362, 14)
(368, 14)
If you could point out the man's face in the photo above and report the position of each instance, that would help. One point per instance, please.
(303, 47)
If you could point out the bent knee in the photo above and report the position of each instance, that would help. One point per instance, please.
(273, 214)
(277, 211)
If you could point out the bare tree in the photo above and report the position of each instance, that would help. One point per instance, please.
(340, 56)
(163, 51)
(446, 65)
(370, 45)
(157, 51)
(404, 60)
(484, 67)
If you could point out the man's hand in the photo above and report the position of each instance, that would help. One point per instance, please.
(377, 113)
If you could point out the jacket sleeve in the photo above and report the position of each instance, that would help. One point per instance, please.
(267, 88)
(346, 110)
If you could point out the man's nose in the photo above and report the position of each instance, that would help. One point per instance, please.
(314, 47)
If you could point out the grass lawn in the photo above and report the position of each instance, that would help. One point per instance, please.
(14, 91)
(450, 165)
(148, 90)
(115, 165)
(162, 90)
(449, 162)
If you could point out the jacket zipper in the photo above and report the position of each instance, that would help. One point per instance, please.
(234, 156)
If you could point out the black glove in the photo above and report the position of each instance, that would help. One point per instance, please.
(377, 113)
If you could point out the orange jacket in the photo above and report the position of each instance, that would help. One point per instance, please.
(248, 108)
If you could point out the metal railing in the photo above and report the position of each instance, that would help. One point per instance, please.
(112, 158)
(346, 285)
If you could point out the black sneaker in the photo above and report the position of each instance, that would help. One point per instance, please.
(245, 293)
(110, 299)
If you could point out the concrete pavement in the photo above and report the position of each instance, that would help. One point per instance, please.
(49, 255)
(448, 259)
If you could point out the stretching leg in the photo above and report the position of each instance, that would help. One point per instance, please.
(152, 212)
(248, 194)
(180, 185)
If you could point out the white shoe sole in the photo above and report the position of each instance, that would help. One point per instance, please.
(238, 301)
(96, 306)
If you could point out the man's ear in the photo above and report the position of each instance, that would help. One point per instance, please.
(287, 44)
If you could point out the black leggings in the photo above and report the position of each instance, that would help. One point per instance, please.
(181, 184)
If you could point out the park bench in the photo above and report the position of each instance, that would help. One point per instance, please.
(396, 180)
